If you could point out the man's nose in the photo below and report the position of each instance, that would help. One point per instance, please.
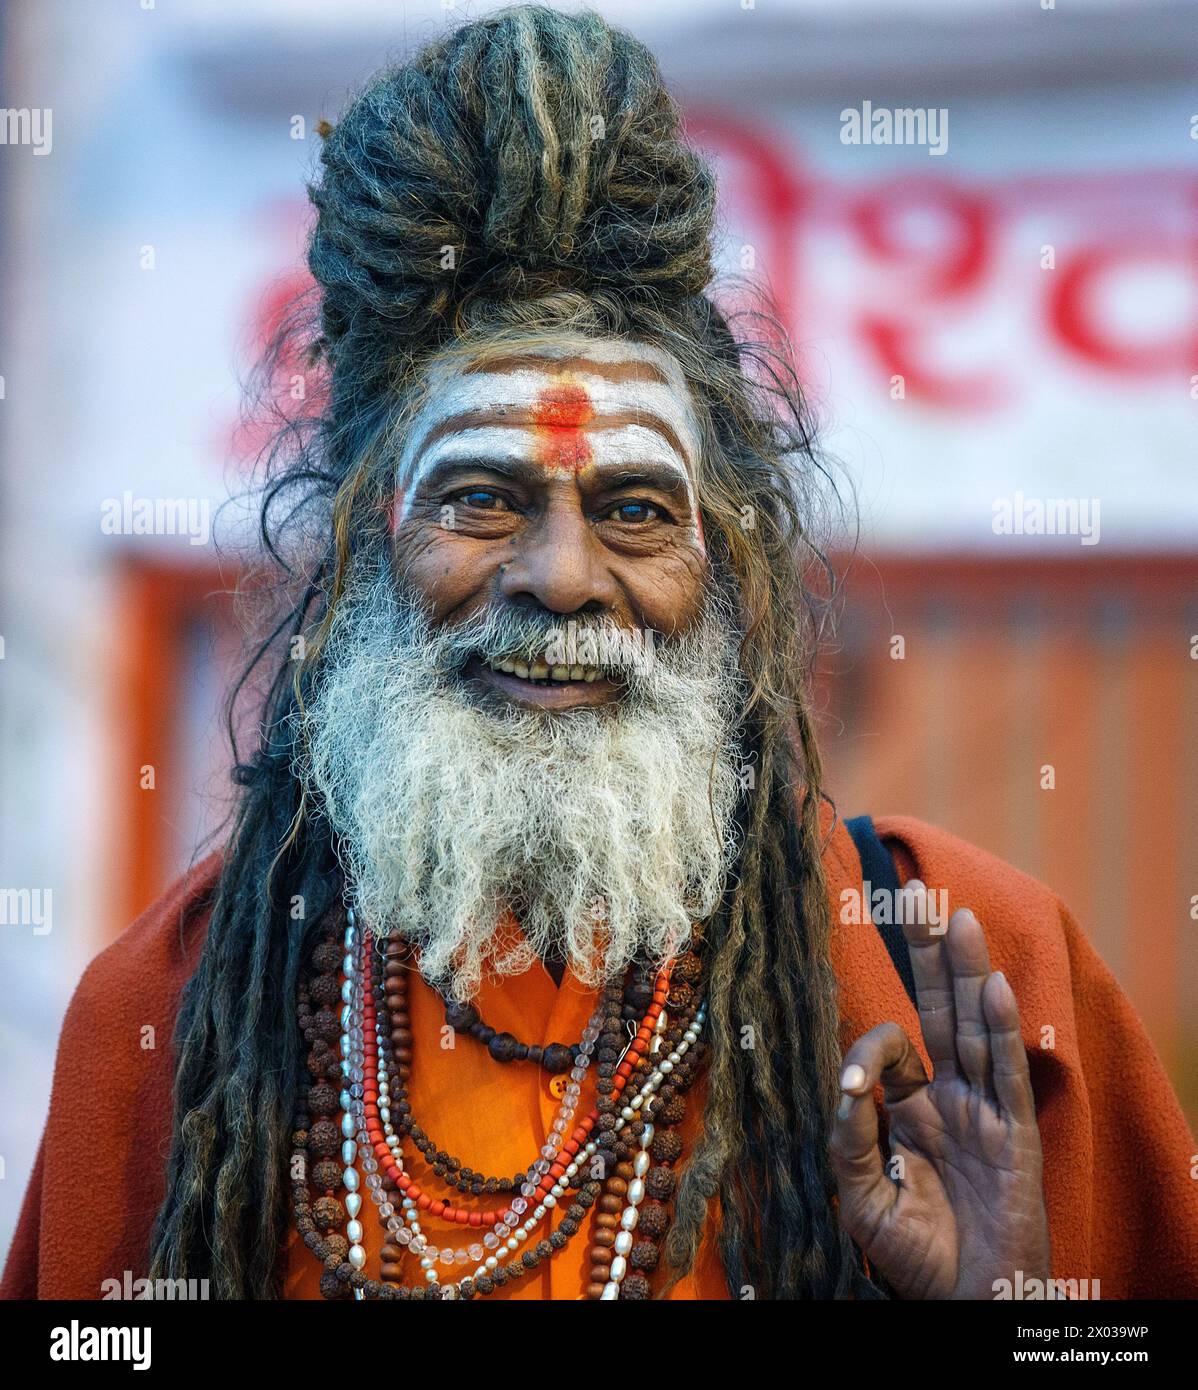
(560, 564)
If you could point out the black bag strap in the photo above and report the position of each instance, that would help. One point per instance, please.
(878, 870)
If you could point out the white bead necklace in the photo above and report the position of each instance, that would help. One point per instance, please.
(506, 1237)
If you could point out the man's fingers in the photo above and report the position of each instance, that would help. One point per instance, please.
(1012, 1079)
(883, 1056)
(933, 979)
(969, 961)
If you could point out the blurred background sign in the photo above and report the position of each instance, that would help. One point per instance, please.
(979, 222)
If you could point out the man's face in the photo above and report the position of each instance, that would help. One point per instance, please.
(559, 480)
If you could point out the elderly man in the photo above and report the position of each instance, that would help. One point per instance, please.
(524, 971)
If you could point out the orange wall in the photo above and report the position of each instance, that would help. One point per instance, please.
(1010, 667)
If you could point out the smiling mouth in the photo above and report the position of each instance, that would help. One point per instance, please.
(538, 685)
(541, 673)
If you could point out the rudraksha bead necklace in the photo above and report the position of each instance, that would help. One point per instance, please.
(504, 1047)
(374, 1063)
(620, 1263)
(391, 995)
(491, 1276)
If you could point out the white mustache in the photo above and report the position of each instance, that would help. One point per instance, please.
(509, 635)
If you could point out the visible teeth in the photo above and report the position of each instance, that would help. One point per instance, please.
(541, 671)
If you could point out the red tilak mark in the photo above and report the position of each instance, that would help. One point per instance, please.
(560, 414)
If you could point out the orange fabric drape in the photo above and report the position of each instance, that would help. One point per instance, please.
(1122, 1204)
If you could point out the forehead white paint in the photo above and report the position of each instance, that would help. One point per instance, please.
(454, 391)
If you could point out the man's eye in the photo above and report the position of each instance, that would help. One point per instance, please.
(483, 499)
(633, 513)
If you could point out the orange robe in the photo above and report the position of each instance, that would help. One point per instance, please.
(1122, 1204)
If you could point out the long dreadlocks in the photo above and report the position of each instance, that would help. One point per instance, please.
(526, 176)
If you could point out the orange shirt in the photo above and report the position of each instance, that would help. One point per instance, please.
(494, 1116)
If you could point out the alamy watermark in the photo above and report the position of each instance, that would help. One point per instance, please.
(80, 1342)
(32, 126)
(157, 516)
(1047, 516)
(608, 647)
(1037, 1289)
(27, 907)
(908, 125)
(159, 1290)
(885, 907)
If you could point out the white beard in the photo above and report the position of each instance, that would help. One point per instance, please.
(610, 830)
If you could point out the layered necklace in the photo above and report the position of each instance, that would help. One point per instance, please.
(643, 1043)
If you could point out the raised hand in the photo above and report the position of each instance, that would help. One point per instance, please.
(963, 1205)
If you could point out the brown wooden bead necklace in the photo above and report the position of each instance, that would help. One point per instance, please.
(391, 995)
(612, 1240)
(315, 1137)
(314, 1219)
(451, 1170)
(505, 1047)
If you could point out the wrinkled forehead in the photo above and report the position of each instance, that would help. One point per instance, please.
(571, 404)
